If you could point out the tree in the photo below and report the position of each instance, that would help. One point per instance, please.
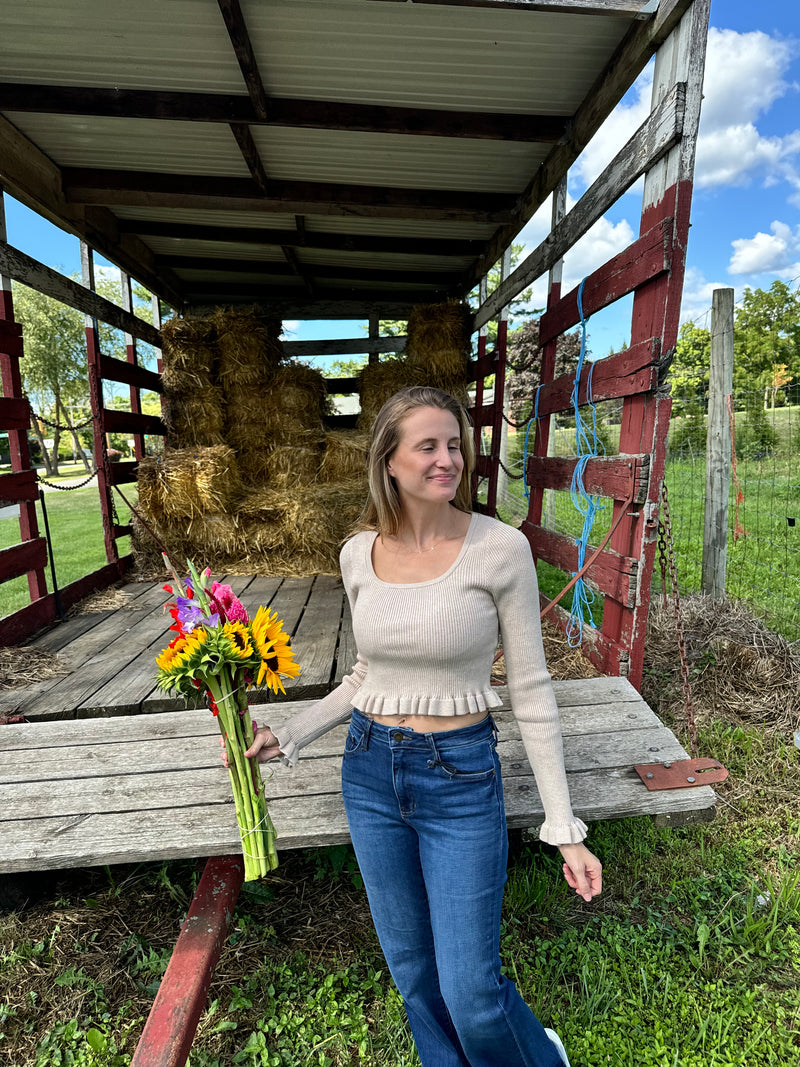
(766, 338)
(525, 362)
(689, 369)
(54, 370)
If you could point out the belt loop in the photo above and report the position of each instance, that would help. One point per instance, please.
(494, 727)
(434, 750)
(367, 732)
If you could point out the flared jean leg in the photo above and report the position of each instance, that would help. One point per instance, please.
(428, 826)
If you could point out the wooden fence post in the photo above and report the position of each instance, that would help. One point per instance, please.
(718, 446)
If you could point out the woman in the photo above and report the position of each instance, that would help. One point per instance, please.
(428, 582)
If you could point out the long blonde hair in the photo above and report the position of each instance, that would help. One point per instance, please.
(382, 511)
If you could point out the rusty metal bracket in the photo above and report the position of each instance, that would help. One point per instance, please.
(681, 773)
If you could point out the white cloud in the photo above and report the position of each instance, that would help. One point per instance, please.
(776, 253)
(697, 296)
(745, 75)
(290, 327)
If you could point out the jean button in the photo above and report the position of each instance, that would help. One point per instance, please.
(397, 736)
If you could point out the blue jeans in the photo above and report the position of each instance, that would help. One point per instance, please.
(428, 826)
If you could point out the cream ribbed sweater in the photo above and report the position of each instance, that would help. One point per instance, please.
(426, 648)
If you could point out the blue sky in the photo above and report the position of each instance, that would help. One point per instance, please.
(746, 208)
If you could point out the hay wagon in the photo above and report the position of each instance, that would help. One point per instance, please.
(346, 159)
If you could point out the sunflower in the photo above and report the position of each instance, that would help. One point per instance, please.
(240, 647)
(274, 649)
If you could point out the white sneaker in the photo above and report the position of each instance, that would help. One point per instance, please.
(559, 1045)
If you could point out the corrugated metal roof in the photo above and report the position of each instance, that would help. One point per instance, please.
(428, 56)
(134, 144)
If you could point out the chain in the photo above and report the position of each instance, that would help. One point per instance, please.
(510, 474)
(57, 425)
(65, 488)
(666, 550)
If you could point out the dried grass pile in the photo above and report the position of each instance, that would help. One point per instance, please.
(439, 343)
(189, 345)
(742, 672)
(273, 494)
(24, 664)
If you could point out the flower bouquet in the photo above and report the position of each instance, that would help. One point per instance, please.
(221, 652)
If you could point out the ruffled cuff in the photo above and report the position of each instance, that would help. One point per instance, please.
(290, 750)
(565, 833)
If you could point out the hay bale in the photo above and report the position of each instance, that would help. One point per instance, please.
(439, 342)
(345, 456)
(296, 461)
(147, 552)
(189, 344)
(179, 379)
(248, 346)
(253, 465)
(378, 381)
(187, 483)
(217, 538)
(194, 419)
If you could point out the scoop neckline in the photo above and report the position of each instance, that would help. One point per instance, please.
(427, 581)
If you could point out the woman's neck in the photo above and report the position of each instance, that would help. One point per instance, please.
(423, 528)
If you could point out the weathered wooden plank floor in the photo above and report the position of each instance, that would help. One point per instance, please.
(112, 654)
(150, 787)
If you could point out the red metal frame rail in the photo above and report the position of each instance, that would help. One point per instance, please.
(171, 1025)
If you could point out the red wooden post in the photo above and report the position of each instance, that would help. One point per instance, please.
(170, 1028)
(100, 447)
(656, 309)
(10, 353)
(478, 429)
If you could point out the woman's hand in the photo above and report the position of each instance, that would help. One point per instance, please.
(264, 747)
(582, 870)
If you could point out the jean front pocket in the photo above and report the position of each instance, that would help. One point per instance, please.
(465, 763)
(354, 741)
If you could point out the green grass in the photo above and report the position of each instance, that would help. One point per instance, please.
(691, 958)
(77, 533)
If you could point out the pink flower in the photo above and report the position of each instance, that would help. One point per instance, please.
(231, 605)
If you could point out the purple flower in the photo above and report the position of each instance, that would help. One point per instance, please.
(191, 615)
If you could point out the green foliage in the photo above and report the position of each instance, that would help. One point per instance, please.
(688, 373)
(755, 435)
(766, 337)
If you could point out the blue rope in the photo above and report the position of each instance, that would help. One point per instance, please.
(531, 421)
(586, 447)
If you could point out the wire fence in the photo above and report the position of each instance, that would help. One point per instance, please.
(763, 542)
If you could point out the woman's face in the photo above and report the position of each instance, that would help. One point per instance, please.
(427, 463)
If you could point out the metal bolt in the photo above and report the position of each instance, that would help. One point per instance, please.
(649, 774)
(690, 779)
(668, 765)
(631, 715)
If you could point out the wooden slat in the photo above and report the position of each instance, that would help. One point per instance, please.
(123, 809)
(123, 473)
(19, 559)
(482, 367)
(652, 140)
(609, 476)
(117, 370)
(345, 346)
(634, 370)
(483, 416)
(18, 486)
(94, 657)
(11, 338)
(314, 641)
(15, 413)
(600, 650)
(135, 671)
(618, 8)
(63, 633)
(640, 262)
(613, 574)
(129, 422)
(25, 269)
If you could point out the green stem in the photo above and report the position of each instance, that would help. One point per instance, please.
(241, 779)
(258, 782)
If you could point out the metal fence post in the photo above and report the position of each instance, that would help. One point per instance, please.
(718, 446)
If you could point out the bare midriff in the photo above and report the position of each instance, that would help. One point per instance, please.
(430, 724)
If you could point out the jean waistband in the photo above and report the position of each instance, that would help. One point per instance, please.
(408, 738)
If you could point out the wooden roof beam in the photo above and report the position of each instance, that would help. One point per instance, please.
(620, 8)
(338, 242)
(303, 114)
(156, 189)
(248, 292)
(639, 44)
(442, 279)
(32, 177)
(242, 46)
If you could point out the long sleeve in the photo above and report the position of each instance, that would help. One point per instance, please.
(532, 698)
(336, 706)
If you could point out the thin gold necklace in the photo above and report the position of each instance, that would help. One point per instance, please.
(418, 551)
